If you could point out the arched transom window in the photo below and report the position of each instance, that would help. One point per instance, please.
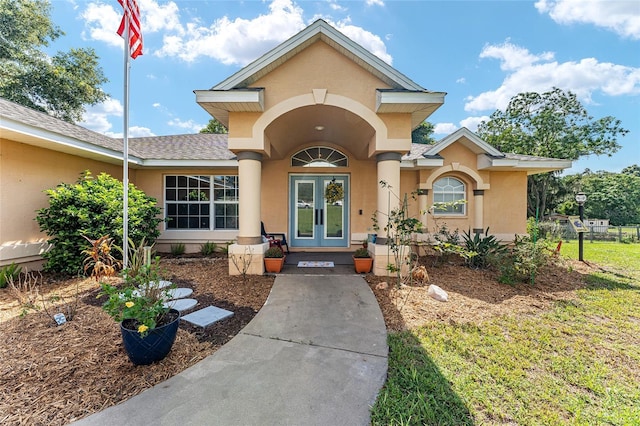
(449, 196)
(319, 156)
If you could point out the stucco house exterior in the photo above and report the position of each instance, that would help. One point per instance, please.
(316, 109)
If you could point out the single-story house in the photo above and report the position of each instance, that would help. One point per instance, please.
(316, 109)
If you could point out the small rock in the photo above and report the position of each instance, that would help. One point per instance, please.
(382, 286)
(437, 293)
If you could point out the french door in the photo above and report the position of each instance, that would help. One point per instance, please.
(315, 222)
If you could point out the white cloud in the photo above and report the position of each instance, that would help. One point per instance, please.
(538, 73)
(333, 4)
(472, 123)
(139, 132)
(230, 41)
(513, 57)
(375, 3)
(621, 17)
(102, 21)
(461, 80)
(96, 117)
(444, 128)
(366, 39)
(156, 17)
(189, 125)
(237, 41)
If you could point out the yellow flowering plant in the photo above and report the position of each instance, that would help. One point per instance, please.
(140, 302)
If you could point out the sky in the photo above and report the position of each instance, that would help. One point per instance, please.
(481, 53)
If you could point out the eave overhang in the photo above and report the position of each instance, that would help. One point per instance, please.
(420, 104)
(177, 164)
(531, 165)
(43, 138)
(219, 103)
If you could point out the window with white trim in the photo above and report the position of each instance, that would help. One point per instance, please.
(449, 196)
(201, 202)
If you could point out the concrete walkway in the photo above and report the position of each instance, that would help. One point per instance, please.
(315, 354)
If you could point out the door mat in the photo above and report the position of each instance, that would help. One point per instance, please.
(314, 264)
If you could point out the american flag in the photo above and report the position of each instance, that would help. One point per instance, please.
(135, 35)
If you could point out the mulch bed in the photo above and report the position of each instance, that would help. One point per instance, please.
(52, 375)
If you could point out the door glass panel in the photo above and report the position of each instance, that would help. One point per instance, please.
(334, 215)
(305, 203)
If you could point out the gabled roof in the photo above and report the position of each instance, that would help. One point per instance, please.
(319, 30)
(235, 94)
(488, 157)
(468, 139)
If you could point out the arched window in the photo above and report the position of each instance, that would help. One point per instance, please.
(449, 196)
(319, 156)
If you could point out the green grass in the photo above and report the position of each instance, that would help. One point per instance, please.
(306, 220)
(625, 257)
(576, 364)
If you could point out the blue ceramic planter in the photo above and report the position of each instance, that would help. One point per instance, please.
(154, 346)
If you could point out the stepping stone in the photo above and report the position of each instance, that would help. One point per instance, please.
(181, 304)
(179, 293)
(207, 316)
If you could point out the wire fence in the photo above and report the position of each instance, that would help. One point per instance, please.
(622, 234)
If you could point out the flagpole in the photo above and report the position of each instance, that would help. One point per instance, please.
(125, 149)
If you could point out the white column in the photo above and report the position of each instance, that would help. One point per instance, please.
(389, 196)
(478, 206)
(250, 181)
(423, 195)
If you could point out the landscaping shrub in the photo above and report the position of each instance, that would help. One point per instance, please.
(92, 207)
(8, 273)
(208, 248)
(178, 249)
(523, 261)
(485, 249)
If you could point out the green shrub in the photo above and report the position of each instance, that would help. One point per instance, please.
(93, 207)
(485, 249)
(208, 248)
(361, 253)
(9, 272)
(178, 249)
(523, 261)
(274, 252)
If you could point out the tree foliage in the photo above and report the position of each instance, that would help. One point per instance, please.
(214, 126)
(61, 85)
(423, 134)
(613, 196)
(92, 207)
(553, 124)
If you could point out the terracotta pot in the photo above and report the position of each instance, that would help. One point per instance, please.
(363, 265)
(273, 264)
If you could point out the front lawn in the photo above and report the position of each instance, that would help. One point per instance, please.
(575, 362)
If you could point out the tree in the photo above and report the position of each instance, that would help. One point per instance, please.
(61, 85)
(423, 134)
(632, 170)
(553, 124)
(214, 126)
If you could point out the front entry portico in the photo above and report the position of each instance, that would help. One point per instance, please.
(314, 222)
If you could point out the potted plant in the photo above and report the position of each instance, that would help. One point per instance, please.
(147, 324)
(274, 259)
(362, 261)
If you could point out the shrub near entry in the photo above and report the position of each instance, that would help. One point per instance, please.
(93, 207)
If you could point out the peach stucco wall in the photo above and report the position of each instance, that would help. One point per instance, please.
(275, 192)
(26, 172)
